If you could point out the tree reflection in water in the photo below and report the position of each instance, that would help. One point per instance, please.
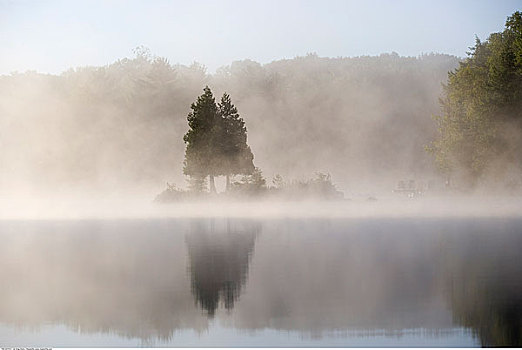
(484, 277)
(150, 279)
(219, 254)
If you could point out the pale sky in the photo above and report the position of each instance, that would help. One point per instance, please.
(52, 36)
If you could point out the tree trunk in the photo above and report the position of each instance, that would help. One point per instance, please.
(228, 183)
(212, 184)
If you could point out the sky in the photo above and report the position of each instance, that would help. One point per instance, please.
(53, 36)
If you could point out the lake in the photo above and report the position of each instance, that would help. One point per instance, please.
(359, 282)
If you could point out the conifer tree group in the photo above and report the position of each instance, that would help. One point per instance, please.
(216, 141)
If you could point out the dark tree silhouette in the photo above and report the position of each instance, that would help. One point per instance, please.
(216, 141)
(237, 156)
(219, 260)
(201, 139)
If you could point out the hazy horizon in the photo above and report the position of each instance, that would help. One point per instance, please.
(121, 126)
(54, 36)
(354, 95)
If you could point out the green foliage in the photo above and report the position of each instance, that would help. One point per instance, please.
(201, 138)
(237, 158)
(197, 184)
(322, 185)
(197, 189)
(278, 182)
(217, 140)
(253, 184)
(480, 125)
(171, 194)
(319, 187)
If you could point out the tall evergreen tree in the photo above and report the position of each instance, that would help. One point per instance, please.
(200, 139)
(237, 157)
(216, 141)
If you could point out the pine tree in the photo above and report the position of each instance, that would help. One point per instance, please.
(216, 141)
(236, 155)
(200, 152)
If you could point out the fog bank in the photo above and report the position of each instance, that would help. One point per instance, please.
(118, 207)
(119, 128)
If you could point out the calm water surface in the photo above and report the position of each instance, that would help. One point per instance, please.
(281, 282)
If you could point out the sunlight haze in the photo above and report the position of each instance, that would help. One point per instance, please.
(260, 173)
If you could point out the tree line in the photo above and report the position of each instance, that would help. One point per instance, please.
(480, 124)
(363, 119)
(479, 129)
(122, 125)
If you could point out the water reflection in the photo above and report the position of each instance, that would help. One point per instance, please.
(152, 279)
(126, 278)
(391, 275)
(219, 253)
(483, 272)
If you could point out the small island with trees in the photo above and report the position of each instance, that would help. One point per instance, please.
(477, 144)
(216, 145)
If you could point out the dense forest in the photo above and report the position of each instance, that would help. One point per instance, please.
(480, 127)
(364, 120)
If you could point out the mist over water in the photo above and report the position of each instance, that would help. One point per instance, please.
(104, 141)
(141, 207)
(356, 224)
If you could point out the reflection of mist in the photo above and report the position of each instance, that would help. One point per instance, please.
(362, 276)
(119, 277)
(388, 274)
(318, 275)
(219, 254)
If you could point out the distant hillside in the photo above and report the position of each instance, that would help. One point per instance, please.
(365, 120)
